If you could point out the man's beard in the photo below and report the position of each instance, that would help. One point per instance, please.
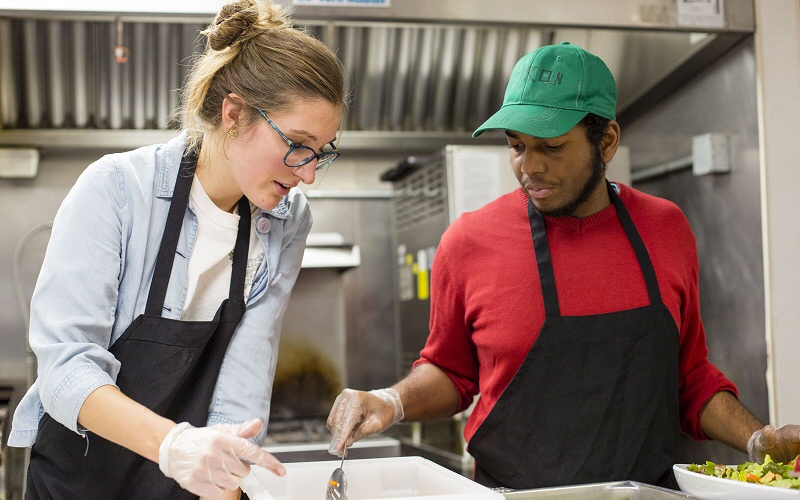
(598, 174)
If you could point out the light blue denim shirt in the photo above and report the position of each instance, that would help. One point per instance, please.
(96, 277)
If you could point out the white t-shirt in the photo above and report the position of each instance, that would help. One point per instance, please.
(211, 262)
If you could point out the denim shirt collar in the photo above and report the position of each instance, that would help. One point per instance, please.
(170, 161)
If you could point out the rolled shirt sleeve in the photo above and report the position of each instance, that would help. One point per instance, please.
(73, 306)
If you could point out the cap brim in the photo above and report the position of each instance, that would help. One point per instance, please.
(538, 121)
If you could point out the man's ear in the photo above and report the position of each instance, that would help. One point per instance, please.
(231, 111)
(610, 142)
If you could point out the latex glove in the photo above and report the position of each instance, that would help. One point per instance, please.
(209, 460)
(357, 414)
(782, 444)
(254, 489)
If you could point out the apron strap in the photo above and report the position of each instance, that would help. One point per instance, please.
(545, 261)
(635, 238)
(547, 276)
(172, 231)
(240, 251)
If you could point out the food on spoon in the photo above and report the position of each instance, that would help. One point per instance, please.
(768, 473)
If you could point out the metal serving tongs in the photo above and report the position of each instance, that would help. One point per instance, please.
(337, 484)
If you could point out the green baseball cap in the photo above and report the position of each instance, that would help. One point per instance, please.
(552, 89)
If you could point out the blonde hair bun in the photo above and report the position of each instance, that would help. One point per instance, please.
(240, 20)
(255, 51)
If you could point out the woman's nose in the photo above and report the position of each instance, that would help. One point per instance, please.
(307, 172)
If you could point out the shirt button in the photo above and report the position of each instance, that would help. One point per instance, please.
(263, 225)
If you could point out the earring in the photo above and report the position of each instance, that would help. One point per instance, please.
(232, 133)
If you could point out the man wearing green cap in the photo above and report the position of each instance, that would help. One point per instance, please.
(571, 305)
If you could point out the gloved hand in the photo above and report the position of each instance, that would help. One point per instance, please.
(208, 460)
(782, 444)
(357, 414)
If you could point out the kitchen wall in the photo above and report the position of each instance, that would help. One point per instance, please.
(25, 204)
(725, 213)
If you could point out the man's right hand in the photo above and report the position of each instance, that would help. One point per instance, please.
(357, 414)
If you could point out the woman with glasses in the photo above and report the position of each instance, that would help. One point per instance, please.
(156, 316)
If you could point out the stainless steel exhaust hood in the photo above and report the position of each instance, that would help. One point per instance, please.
(725, 15)
(423, 74)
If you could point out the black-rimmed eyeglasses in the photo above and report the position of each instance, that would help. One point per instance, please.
(299, 154)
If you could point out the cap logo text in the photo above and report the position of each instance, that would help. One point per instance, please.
(550, 76)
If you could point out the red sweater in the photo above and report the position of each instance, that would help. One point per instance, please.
(486, 300)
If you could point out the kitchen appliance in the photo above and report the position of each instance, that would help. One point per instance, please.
(428, 194)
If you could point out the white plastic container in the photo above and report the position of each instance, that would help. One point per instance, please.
(368, 479)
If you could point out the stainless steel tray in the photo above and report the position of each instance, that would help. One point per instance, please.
(628, 490)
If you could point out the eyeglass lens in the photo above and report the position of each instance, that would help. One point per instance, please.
(299, 156)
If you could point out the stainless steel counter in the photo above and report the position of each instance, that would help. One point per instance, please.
(629, 490)
(369, 447)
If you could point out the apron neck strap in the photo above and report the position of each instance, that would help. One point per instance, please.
(172, 231)
(547, 276)
(240, 251)
(545, 262)
(635, 238)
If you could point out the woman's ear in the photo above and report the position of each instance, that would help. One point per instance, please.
(610, 142)
(231, 111)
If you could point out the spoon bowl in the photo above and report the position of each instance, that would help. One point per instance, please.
(337, 484)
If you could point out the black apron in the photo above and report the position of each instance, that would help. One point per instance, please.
(596, 398)
(168, 365)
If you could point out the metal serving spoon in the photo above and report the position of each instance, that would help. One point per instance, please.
(337, 484)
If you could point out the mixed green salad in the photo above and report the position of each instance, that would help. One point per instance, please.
(769, 473)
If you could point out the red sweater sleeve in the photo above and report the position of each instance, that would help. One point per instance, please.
(700, 379)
